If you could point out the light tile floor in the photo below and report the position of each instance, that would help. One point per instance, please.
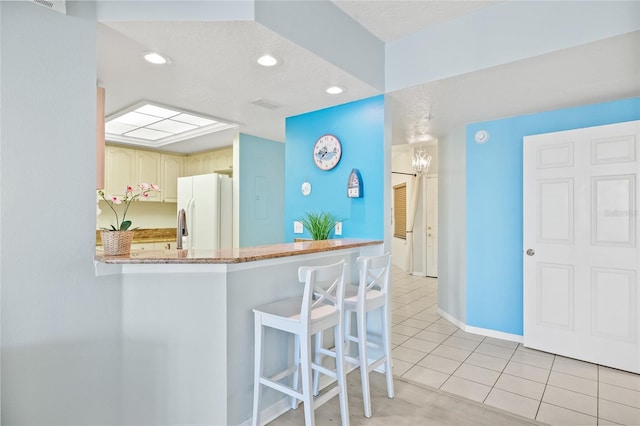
(549, 388)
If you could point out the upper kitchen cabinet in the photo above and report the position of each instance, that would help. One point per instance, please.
(127, 166)
(223, 161)
(218, 161)
(119, 169)
(148, 168)
(199, 164)
(172, 167)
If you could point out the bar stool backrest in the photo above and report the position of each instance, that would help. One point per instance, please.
(374, 274)
(323, 290)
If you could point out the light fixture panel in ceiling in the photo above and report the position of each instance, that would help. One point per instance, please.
(153, 125)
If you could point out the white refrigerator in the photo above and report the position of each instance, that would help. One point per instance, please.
(207, 201)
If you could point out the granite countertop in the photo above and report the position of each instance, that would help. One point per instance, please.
(150, 235)
(236, 255)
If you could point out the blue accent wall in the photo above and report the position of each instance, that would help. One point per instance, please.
(261, 191)
(494, 207)
(359, 126)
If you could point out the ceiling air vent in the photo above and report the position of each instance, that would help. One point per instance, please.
(264, 104)
(57, 5)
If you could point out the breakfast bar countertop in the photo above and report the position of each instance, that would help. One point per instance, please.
(235, 255)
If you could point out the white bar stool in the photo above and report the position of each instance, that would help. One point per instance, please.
(373, 292)
(319, 308)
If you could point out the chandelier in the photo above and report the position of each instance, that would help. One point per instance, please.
(420, 161)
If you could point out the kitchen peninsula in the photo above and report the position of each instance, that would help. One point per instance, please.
(187, 325)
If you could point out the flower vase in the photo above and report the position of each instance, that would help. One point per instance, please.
(115, 243)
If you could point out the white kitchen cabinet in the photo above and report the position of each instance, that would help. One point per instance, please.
(148, 170)
(119, 169)
(171, 169)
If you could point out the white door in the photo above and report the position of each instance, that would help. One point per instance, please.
(580, 252)
(432, 225)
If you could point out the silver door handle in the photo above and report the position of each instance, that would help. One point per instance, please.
(531, 252)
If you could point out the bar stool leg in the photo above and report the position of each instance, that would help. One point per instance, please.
(388, 368)
(305, 359)
(317, 360)
(364, 361)
(257, 370)
(341, 374)
(296, 374)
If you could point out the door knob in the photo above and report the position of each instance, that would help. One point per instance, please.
(531, 252)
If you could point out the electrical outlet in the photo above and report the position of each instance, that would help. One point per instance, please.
(297, 227)
(338, 229)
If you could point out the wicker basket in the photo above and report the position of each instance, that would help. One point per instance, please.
(116, 243)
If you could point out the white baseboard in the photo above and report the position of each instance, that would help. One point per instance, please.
(480, 331)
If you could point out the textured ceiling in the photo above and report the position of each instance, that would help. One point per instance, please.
(214, 73)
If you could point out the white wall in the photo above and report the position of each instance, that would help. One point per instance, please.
(60, 326)
(452, 227)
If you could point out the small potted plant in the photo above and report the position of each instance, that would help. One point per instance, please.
(319, 224)
(116, 240)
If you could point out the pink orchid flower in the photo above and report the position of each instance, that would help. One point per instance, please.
(115, 199)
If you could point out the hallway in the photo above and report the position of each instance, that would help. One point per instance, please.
(431, 351)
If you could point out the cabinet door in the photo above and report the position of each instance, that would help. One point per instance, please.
(199, 164)
(119, 166)
(223, 162)
(148, 171)
(193, 165)
(143, 246)
(171, 170)
(164, 246)
(208, 164)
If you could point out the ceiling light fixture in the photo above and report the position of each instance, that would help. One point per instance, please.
(420, 161)
(267, 61)
(157, 58)
(154, 125)
(334, 90)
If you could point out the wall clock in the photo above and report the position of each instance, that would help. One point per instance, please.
(327, 152)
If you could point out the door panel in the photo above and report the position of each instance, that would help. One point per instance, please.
(555, 211)
(580, 234)
(614, 198)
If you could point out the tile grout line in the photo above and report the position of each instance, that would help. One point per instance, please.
(545, 387)
(501, 373)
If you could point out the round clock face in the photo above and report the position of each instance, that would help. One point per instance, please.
(327, 152)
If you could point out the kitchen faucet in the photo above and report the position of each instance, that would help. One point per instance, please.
(182, 228)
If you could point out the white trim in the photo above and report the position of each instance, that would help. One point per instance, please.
(480, 331)
(494, 333)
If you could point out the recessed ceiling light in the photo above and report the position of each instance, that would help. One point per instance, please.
(335, 90)
(157, 58)
(267, 61)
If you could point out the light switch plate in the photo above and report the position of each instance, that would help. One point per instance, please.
(338, 228)
(297, 227)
